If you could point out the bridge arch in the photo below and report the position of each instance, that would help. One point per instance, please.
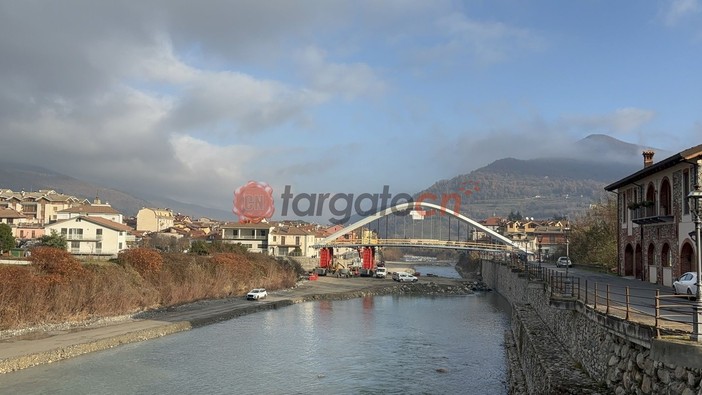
(410, 206)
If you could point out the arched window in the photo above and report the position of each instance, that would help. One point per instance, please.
(650, 256)
(665, 255)
(665, 198)
(650, 200)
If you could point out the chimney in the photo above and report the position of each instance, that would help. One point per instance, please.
(648, 157)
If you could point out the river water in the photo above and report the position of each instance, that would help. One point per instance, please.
(375, 345)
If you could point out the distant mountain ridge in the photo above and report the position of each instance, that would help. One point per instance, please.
(565, 184)
(546, 187)
(18, 177)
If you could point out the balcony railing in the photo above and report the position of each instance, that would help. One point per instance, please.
(650, 215)
(244, 237)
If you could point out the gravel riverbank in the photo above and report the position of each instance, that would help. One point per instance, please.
(20, 349)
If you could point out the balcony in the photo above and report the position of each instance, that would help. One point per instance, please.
(244, 237)
(647, 215)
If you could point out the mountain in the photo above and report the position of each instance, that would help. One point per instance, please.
(563, 185)
(20, 177)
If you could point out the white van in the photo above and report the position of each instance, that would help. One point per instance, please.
(381, 272)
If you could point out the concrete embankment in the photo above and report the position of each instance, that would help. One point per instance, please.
(52, 344)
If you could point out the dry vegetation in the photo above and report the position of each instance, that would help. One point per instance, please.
(58, 288)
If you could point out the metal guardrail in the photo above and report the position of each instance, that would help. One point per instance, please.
(495, 247)
(670, 315)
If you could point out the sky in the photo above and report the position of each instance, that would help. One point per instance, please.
(190, 100)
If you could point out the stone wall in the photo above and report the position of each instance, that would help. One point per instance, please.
(602, 354)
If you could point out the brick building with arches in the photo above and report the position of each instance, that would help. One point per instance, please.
(655, 220)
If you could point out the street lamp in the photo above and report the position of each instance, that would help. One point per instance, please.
(566, 230)
(695, 199)
(539, 239)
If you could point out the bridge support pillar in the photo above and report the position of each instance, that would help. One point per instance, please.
(368, 257)
(326, 254)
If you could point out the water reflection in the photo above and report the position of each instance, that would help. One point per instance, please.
(387, 344)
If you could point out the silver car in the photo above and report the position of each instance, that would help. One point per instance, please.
(564, 261)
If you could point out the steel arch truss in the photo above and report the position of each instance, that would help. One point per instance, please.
(505, 244)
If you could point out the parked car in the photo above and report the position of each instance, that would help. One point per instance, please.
(564, 261)
(381, 272)
(686, 284)
(256, 294)
(404, 277)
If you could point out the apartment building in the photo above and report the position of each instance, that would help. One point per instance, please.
(252, 236)
(154, 219)
(93, 235)
(40, 207)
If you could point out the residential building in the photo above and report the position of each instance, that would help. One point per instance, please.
(92, 235)
(95, 209)
(155, 219)
(287, 240)
(250, 235)
(27, 231)
(11, 216)
(655, 220)
(41, 206)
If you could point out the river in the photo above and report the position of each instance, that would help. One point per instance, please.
(374, 345)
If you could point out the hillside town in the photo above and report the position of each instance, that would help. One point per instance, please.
(96, 229)
(654, 216)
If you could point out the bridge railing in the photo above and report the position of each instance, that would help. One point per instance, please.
(421, 242)
(669, 315)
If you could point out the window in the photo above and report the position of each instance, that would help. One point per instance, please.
(98, 233)
(282, 240)
(686, 191)
(297, 240)
(75, 246)
(665, 198)
(75, 233)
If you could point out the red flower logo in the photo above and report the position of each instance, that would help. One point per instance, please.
(253, 202)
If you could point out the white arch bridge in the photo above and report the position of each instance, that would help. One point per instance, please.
(429, 227)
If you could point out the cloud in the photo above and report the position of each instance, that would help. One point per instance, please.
(486, 42)
(337, 79)
(620, 122)
(678, 10)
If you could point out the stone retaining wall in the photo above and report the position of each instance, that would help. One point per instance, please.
(601, 354)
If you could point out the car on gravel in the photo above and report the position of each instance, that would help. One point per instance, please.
(257, 294)
(381, 272)
(405, 278)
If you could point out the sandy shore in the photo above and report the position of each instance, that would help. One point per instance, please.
(23, 349)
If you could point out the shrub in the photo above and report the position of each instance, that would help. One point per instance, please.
(146, 261)
(55, 261)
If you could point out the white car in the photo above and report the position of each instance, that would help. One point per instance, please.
(256, 294)
(564, 261)
(686, 284)
(405, 278)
